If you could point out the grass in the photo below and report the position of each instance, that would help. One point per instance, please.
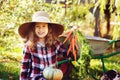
(9, 71)
(110, 63)
(10, 65)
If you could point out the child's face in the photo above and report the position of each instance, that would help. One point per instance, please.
(41, 29)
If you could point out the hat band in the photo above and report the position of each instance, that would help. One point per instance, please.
(41, 19)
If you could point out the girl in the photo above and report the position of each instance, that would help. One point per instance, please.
(42, 46)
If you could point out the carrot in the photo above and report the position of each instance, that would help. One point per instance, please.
(69, 49)
(75, 40)
(67, 37)
(73, 48)
(73, 44)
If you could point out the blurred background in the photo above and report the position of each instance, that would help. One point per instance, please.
(93, 17)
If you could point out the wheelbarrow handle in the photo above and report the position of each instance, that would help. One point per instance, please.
(113, 41)
(63, 61)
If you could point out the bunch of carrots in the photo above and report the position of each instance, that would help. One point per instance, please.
(73, 47)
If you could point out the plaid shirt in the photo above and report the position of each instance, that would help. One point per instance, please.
(33, 63)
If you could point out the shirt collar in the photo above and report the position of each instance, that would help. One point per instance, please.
(40, 44)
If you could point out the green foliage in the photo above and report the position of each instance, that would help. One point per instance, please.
(15, 12)
(84, 59)
(9, 71)
(117, 2)
(102, 5)
(77, 13)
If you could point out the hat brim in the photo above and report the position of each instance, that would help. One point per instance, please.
(23, 30)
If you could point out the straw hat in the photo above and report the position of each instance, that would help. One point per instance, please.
(40, 17)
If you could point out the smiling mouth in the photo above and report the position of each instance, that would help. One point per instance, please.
(40, 33)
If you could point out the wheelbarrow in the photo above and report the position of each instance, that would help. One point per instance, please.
(99, 46)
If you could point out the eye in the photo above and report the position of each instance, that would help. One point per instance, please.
(44, 26)
(36, 26)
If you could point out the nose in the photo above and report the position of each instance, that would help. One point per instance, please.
(40, 28)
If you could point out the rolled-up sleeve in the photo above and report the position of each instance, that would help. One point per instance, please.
(61, 49)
